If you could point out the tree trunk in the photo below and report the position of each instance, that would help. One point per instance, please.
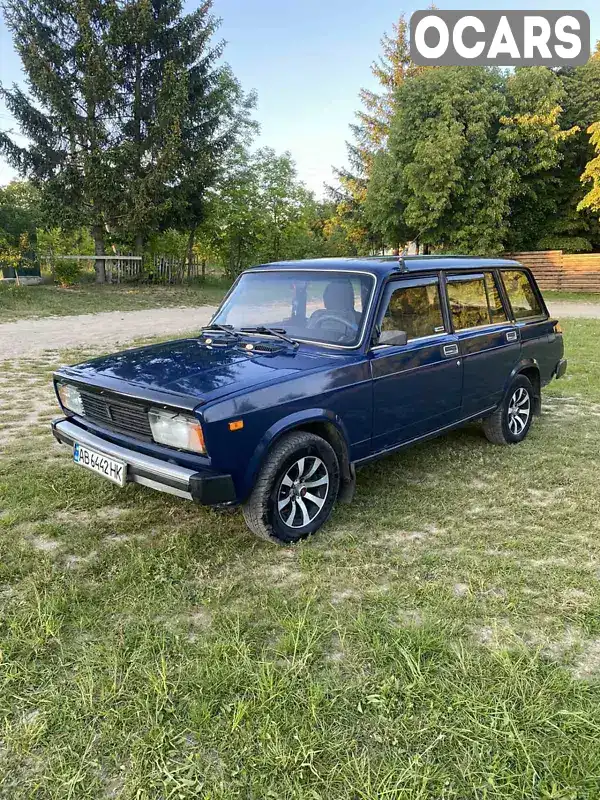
(190, 248)
(203, 270)
(139, 244)
(98, 236)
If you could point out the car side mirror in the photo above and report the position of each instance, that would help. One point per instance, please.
(395, 338)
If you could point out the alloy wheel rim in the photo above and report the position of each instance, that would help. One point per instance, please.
(519, 411)
(303, 491)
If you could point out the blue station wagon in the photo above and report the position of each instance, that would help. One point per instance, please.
(308, 370)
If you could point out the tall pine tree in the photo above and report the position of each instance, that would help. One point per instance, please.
(181, 111)
(69, 111)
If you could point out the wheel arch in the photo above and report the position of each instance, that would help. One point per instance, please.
(320, 421)
(530, 369)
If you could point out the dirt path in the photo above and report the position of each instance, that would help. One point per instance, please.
(30, 337)
(26, 338)
(574, 308)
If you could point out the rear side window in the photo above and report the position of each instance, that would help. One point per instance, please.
(414, 309)
(474, 301)
(497, 313)
(521, 294)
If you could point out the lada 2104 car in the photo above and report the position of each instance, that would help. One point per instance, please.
(308, 370)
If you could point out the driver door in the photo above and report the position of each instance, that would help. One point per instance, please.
(417, 387)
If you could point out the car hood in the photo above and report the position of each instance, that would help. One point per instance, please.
(188, 368)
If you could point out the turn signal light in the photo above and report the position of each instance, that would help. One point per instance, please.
(557, 328)
(236, 425)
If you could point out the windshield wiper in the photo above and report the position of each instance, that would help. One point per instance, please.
(278, 332)
(229, 329)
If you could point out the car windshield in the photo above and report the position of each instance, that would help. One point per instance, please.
(323, 306)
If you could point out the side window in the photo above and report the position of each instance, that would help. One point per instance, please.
(414, 309)
(520, 292)
(497, 313)
(474, 301)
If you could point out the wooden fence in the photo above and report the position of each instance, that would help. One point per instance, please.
(166, 269)
(554, 269)
(129, 268)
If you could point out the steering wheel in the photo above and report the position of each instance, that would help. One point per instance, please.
(318, 323)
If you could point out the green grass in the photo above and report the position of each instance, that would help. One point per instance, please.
(18, 302)
(439, 638)
(576, 297)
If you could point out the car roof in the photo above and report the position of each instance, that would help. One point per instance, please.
(385, 265)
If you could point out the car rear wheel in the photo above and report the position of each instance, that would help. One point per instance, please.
(511, 421)
(295, 490)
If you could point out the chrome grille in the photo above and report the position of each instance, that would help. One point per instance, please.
(121, 415)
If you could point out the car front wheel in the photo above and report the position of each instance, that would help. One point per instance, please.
(295, 490)
(511, 421)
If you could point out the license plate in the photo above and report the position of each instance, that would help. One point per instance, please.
(115, 471)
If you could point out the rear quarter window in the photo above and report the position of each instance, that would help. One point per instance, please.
(522, 295)
(474, 301)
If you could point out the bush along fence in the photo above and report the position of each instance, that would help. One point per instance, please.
(554, 269)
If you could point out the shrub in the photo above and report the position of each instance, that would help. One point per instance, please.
(66, 271)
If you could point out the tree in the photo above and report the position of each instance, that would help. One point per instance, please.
(19, 212)
(260, 212)
(370, 134)
(65, 51)
(181, 113)
(591, 173)
(444, 177)
(129, 114)
(575, 226)
(209, 133)
(535, 144)
(234, 225)
(473, 161)
(570, 228)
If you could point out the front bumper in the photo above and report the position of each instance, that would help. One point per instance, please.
(202, 487)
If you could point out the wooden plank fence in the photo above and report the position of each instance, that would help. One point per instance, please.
(554, 269)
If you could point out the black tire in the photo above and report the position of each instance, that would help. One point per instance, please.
(510, 422)
(277, 484)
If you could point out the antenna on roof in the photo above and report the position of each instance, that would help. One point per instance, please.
(401, 262)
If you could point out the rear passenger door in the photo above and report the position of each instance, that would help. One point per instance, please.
(488, 341)
(417, 386)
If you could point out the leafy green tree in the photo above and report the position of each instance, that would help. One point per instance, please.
(473, 160)
(260, 212)
(592, 173)
(575, 227)
(370, 134)
(234, 226)
(282, 200)
(535, 144)
(444, 180)
(20, 212)
(66, 55)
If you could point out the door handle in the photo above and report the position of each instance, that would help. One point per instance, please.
(450, 349)
(512, 336)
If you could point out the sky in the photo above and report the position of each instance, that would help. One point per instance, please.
(307, 61)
